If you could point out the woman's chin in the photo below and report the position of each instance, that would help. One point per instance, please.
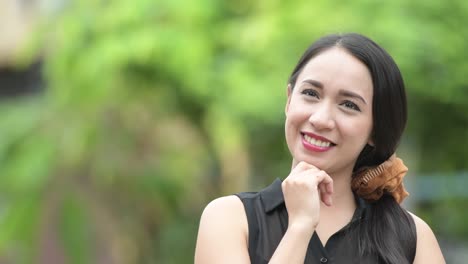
(316, 163)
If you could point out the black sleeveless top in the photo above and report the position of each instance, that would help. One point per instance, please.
(268, 220)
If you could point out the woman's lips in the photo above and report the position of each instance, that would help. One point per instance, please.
(316, 143)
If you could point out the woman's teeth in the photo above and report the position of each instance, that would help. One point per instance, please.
(317, 142)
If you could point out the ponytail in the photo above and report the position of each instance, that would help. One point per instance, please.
(388, 232)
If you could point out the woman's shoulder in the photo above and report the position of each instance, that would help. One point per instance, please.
(223, 206)
(421, 225)
(427, 247)
(222, 214)
(222, 233)
(423, 230)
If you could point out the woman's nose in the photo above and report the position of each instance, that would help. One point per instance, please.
(322, 117)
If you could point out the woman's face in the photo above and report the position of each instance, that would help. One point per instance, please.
(329, 112)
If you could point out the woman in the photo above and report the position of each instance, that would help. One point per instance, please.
(345, 113)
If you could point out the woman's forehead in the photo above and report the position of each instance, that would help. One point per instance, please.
(337, 67)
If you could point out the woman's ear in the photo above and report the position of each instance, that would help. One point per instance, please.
(289, 91)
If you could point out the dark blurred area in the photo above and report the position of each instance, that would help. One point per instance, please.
(21, 82)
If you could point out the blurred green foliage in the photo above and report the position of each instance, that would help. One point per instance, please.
(153, 108)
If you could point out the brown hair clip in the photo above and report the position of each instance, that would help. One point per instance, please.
(372, 183)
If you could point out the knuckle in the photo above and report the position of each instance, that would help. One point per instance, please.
(302, 165)
(324, 175)
(296, 182)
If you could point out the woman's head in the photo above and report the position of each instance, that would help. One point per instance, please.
(389, 110)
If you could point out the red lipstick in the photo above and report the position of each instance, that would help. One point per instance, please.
(309, 141)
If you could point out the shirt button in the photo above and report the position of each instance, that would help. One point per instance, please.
(324, 260)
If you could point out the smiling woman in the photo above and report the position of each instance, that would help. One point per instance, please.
(320, 107)
(345, 114)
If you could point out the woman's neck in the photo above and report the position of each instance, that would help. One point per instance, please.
(340, 213)
(343, 196)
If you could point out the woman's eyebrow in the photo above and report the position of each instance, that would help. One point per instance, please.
(314, 83)
(348, 93)
(343, 92)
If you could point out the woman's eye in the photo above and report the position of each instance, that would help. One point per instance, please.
(351, 105)
(310, 92)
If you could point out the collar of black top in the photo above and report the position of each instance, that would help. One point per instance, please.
(272, 197)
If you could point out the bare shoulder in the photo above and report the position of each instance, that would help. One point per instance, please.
(224, 205)
(222, 234)
(223, 212)
(427, 248)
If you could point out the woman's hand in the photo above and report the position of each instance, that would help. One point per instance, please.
(303, 189)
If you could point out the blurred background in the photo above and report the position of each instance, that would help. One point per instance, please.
(120, 120)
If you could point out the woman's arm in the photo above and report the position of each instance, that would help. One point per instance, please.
(303, 190)
(223, 233)
(293, 246)
(223, 236)
(427, 248)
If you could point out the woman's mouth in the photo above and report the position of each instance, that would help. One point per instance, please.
(316, 143)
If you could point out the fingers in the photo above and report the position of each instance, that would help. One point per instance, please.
(326, 198)
(325, 185)
(303, 190)
(301, 167)
(324, 178)
(314, 178)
